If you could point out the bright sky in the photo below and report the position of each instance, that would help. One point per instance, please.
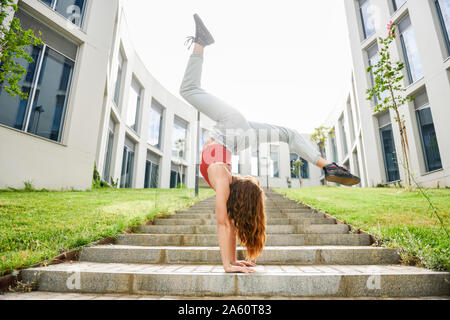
(284, 62)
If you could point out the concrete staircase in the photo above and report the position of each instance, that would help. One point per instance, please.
(307, 255)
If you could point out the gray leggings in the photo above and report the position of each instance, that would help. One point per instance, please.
(232, 129)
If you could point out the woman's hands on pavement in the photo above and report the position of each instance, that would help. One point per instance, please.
(243, 263)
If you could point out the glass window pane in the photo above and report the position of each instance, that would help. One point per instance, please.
(173, 179)
(374, 58)
(109, 149)
(334, 147)
(123, 177)
(343, 135)
(293, 159)
(13, 110)
(273, 164)
(134, 101)
(51, 96)
(398, 4)
(367, 17)
(179, 133)
(156, 116)
(410, 50)
(49, 36)
(154, 176)
(390, 157)
(443, 8)
(118, 79)
(130, 167)
(48, 2)
(72, 10)
(304, 169)
(429, 140)
(148, 169)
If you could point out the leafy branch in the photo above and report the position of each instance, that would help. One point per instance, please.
(390, 93)
(14, 44)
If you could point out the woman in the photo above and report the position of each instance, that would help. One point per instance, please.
(240, 200)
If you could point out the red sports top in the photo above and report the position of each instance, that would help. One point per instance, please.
(211, 154)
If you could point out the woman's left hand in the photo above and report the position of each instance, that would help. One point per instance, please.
(243, 264)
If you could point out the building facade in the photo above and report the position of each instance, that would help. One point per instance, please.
(50, 139)
(345, 144)
(92, 101)
(423, 44)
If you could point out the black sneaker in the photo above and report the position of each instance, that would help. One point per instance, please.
(202, 36)
(337, 174)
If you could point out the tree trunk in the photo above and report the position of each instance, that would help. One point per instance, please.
(405, 164)
(405, 153)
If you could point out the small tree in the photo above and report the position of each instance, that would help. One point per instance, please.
(180, 145)
(389, 90)
(320, 136)
(14, 42)
(297, 170)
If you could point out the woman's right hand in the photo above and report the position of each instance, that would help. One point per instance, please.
(238, 269)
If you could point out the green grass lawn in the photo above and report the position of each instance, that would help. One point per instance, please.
(391, 214)
(37, 226)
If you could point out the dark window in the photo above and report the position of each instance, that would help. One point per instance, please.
(304, 170)
(293, 159)
(109, 150)
(49, 101)
(151, 175)
(175, 179)
(13, 109)
(389, 153)
(428, 137)
(126, 180)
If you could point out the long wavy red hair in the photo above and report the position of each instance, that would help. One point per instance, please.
(246, 209)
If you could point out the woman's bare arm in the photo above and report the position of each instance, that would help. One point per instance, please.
(233, 244)
(224, 228)
(234, 261)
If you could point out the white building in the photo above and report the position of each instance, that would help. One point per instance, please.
(373, 140)
(92, 101)
(345, 143)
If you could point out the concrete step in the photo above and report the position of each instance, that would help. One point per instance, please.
(286, 206)
(271, 229)
(268, 211)
(340, 255)
(272, 240)
(202, 280)
(270, 221)
(293, 215)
